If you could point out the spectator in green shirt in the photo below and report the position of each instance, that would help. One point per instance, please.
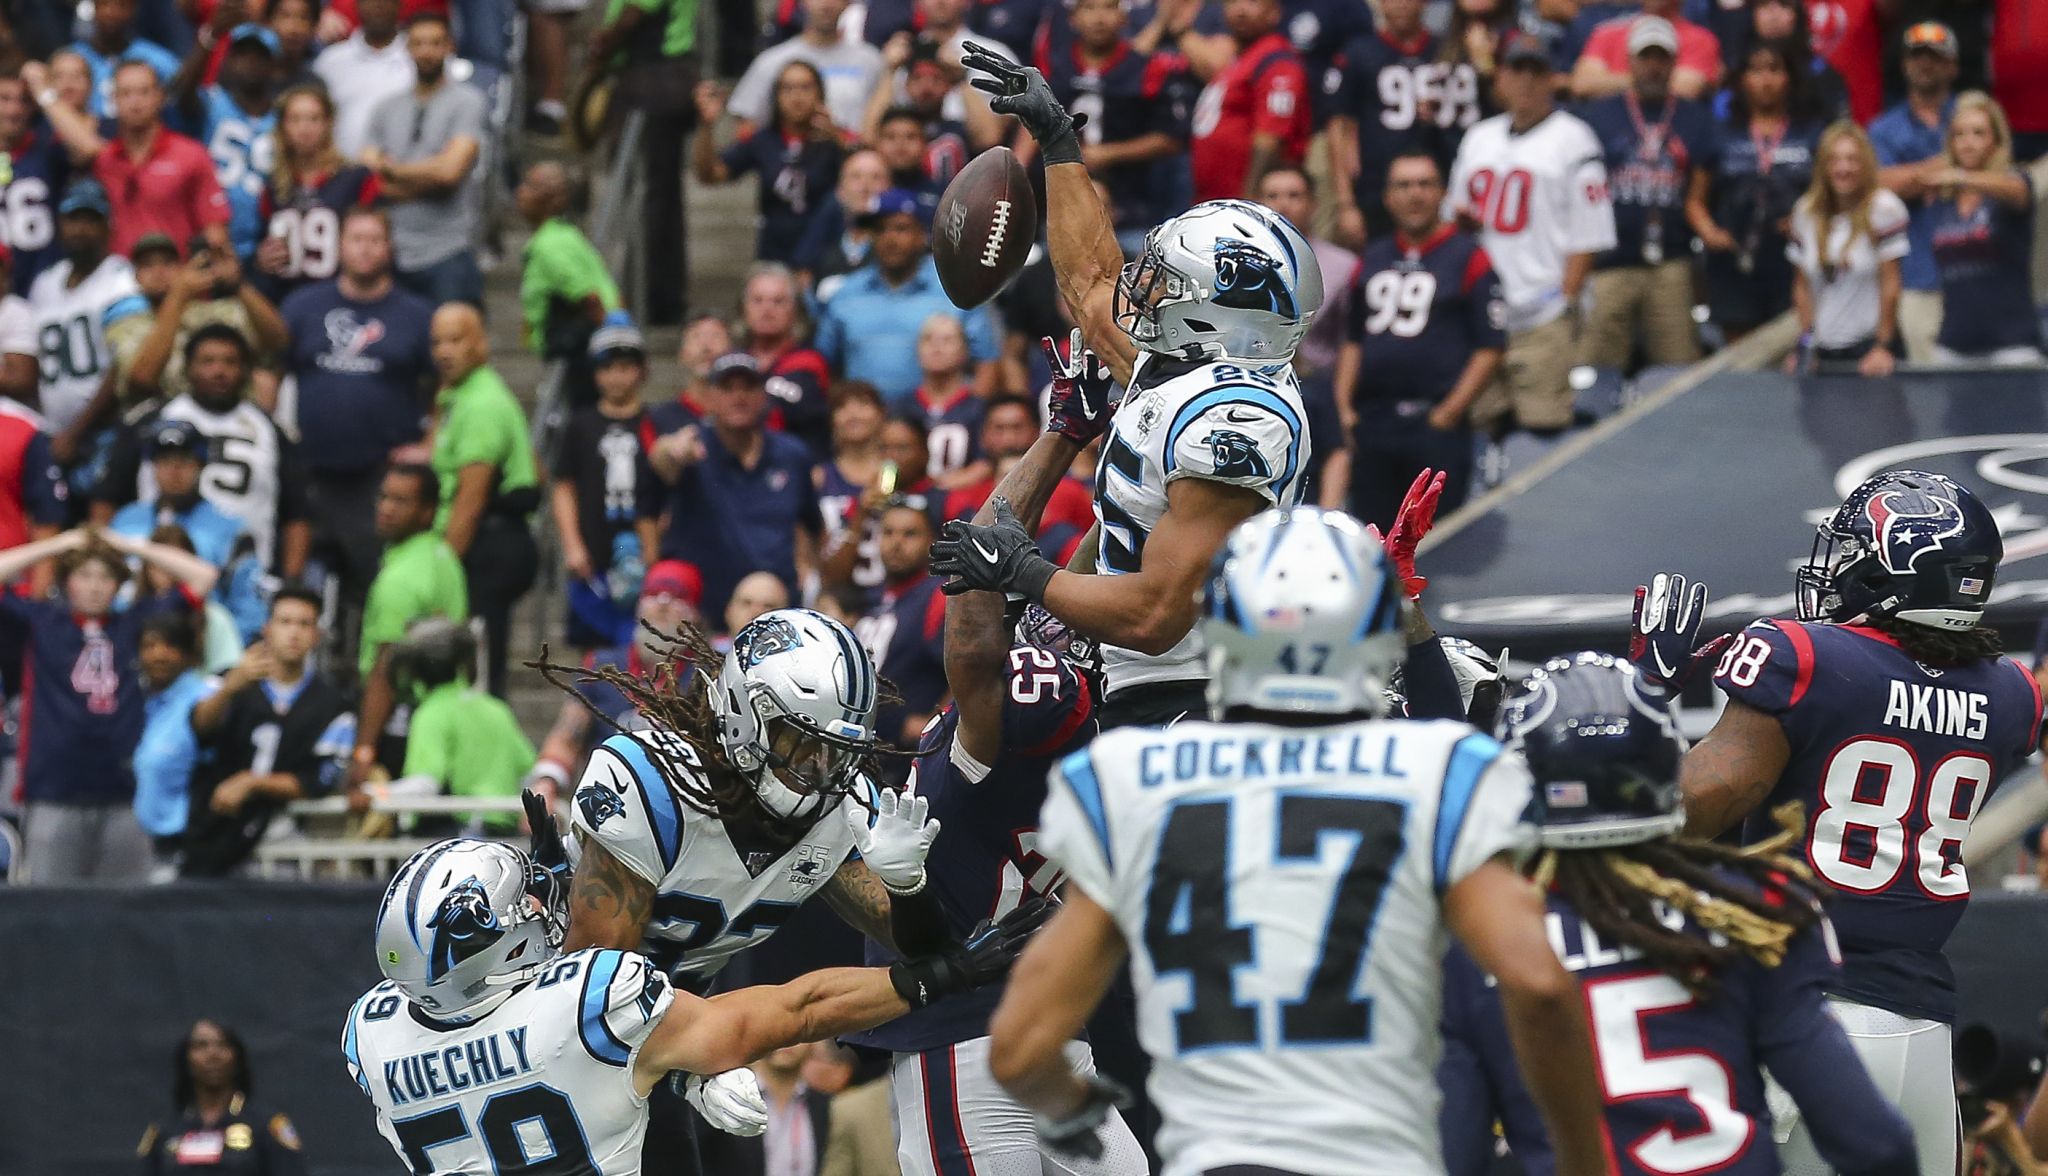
(563, 286)
(419, 577)
(484, 457)
(462, 742)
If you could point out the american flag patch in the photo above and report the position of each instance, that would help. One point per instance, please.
(1970, 586)
(1567, 794)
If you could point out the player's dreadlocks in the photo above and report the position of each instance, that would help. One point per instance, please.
(1615, 891)
(1940, 649)
(675, 699)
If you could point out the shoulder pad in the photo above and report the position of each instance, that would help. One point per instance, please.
(1768, 666)
(621, 996)
(624, 801)
(1243, 429)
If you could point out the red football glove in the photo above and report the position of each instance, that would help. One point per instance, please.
(1411, 523)
(1080, 407)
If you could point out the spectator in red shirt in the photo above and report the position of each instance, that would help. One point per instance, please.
(1603, 69)
(157, 180)
(777, 336)
(1255, 113)
(2019, 74)
(1008, 429)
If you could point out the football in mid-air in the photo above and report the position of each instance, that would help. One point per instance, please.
(984, 227)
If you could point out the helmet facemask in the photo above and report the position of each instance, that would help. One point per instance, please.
(804, 772)
(1146, 287)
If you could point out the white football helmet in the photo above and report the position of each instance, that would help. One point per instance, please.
(1302, 614)
(797, 693)
(1227, 279)
(464, 922)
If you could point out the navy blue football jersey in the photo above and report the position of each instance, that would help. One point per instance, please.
(952, 429)
(1418, 313)
(1392, 90)
(37, 171)
(905, 635)
(1131, 95)
(1683, 1077)
(308, 221)
(986, 861)
(1892, 760)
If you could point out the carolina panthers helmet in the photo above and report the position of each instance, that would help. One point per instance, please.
(1479, 676)
(1905, 544)
(1603, 746)
(464, 922)
(1302, 614)
(1225, 279)
(796, 682)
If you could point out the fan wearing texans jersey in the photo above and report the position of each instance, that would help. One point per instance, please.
(1020, 702)
(1699, 964)
(36, 169)
(1253, 114)
(308, 191)
(1382, 95)
(1138, 106)
(1887, 711)
(903, 633)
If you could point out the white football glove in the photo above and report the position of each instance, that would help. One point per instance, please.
(731, 1101)
(894, 847)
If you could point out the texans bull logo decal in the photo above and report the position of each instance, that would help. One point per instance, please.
(1908, 524)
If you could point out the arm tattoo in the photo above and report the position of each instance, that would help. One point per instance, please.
(605, 893)
(856, 895)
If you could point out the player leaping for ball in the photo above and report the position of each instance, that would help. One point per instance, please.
(1200, 329)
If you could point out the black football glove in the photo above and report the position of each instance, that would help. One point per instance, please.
(1021, 90)
(1079, 409)
(1075, 1134)
(1664, 632)
(545, 845)
(984, 957)
(991, 557)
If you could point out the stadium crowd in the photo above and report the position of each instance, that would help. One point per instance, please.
(253, 433)
(267, 508)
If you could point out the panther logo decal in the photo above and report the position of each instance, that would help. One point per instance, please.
(1236, 456)
(764, 639)
(464, 925)
(1248, 278)
(599, 804)
(1908, 524)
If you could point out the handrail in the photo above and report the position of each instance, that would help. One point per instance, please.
(437, 805)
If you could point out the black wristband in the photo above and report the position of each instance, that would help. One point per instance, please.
(1062, 148)
(921, 982)
(1033, 576)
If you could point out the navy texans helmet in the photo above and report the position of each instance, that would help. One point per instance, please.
(1603, 746)
(1905, 544)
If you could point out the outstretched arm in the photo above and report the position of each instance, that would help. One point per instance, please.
(728, 1031)
(1086, 259)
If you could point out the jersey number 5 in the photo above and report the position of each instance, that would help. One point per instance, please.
(1629, 1069)
(1188, 930)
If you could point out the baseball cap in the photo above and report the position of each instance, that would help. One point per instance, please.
(673, 577)
(1932, 36)
(617, 335)
(1520, 47)
(153, 243)
(86, 195)
(736, 363)
(1652, 32)
(896, 202)
(260, 34)
(176, 437)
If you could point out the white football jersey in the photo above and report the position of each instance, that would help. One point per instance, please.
(542, 1082)
(1223, 421)
(244, 468)
(1537, 197)
(1280, 891)
(71, 338)
(713, 899)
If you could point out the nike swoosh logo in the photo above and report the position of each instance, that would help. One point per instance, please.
(987, 553)
(1230, 414)
(1663, 670)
